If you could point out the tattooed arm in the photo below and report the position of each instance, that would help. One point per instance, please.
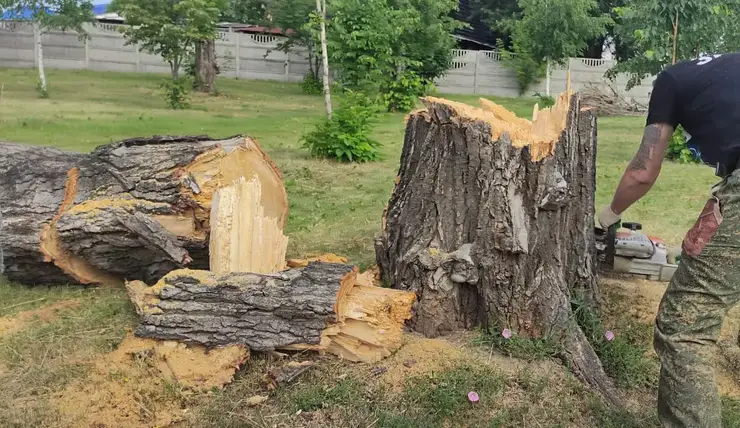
(644, 168)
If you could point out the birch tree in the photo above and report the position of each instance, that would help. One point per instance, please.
(46, 15)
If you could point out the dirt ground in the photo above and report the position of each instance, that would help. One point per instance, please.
(148, 383)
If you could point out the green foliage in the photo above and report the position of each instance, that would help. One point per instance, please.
(244, 11)
(372, 42)
(528, 70)
(704, 27)
(41, 90)
(624, 358)
(678, 149)
(319, 396)
(401, 94)
(545, 101)
(346, 136)
(444, 395)
(176, 92)
(519, 347)
(730, 412)
(169, 29)
(66, 15)
(556, 30)
(312, 85)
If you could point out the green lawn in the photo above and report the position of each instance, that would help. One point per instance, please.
(333, 208)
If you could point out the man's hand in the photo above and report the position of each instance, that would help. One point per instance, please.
(607, 217)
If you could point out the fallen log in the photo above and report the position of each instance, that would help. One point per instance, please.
(131, 210)
(491, 223)
(318, 307)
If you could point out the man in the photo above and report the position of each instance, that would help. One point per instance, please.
(703, 96)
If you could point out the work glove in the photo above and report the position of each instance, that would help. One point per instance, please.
(608, 217)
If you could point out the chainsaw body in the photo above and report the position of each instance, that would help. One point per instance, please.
(623, 248)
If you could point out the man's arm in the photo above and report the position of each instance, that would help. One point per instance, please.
(644, 168)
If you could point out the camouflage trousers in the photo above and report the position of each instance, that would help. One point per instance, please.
(703, 289)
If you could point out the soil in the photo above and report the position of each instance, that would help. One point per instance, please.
(25, 319)
(146, 383)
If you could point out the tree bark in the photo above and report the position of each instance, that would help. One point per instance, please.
(205, 66)
(321, 7)
(40, 58)
(135, 209)
(491, 223)
(319, 307)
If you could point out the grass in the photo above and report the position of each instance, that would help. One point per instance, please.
(333, 208)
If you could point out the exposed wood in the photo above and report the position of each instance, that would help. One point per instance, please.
(318, 307)
(132, 210)
(491, 223)
(243, 238)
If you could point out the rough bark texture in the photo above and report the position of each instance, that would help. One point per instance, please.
(205, 66)
(135, 209)
(493, 232)
(315, 307)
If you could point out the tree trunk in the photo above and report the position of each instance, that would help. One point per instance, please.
(324, 56)
(491, 223)
(319, 307)
(205, 66)
(548, 77)
(135, 209)
(40, 59)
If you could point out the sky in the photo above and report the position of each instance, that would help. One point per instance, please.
(99, 7)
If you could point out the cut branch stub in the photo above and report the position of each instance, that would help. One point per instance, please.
(319, 307)
(491, 222)
(135, 209)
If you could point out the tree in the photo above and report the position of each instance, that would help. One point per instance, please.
(169, 28)
(554, 30)
(669, 31)
(321, 14)
(51, 15)
(376, 42)
(244, 11)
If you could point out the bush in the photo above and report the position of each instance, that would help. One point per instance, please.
(528, 70)
(176, 93)
(545, 101)
(346, 136)
(312, 85)
(401, 94)
(678, 150)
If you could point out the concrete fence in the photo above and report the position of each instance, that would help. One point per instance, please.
(255, 56)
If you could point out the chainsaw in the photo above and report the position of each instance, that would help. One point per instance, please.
(622, 248)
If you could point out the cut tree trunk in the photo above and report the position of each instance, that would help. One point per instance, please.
(491, 223)
(205, 66)
(132, 210)
(318, 307)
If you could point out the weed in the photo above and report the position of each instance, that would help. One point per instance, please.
(41, 90)
(519, 347)
(346, 136)
(730, 412)
(545, 101)
(320, 396)
(312, 85)
(609, 417)
(625, 356)
(176, 93)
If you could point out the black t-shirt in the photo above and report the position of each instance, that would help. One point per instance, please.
(703, 96)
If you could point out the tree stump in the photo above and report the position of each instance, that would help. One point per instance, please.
(132, 210)
(491, 223)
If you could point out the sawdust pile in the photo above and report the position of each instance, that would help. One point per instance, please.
(146, 383)
(46, 314)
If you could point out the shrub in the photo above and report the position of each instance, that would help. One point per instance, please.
(176, 93)
(678, 150)
(346, 136)
(545, 101)
(43, 92)
(401, 94)
(311, 84)
(528, 70)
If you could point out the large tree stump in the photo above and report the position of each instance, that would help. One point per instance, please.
(132, 210)
(318, 307)
(491, 223)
